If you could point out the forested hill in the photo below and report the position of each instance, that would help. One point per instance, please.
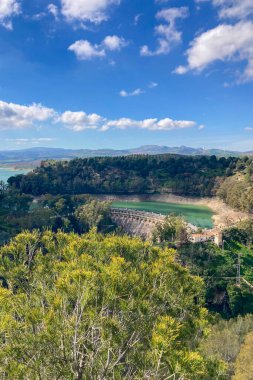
(182, 175)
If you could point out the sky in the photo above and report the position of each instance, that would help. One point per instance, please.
(125, 73)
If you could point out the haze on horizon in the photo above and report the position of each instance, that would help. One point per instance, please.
(120, 74)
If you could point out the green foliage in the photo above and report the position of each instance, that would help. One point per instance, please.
(244, 363)
(225, 341)
(218, 269)
(196, 176)
(13, 206)
(238, 193)
(68, 213)
(92, 214)
(242, 233)
(95, 307)
(237, 190)
(173, 229)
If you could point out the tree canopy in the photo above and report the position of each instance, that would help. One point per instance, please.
(185, 175)
(96, 307)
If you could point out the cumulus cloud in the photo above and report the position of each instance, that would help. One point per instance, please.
(223, 43)
(8, 9)
(15, 116)
(150, 124)
(167, 32)
(84, 50)
(234, 9)
(137, 92)
(114, 43)
(94, 11)
(79, 121)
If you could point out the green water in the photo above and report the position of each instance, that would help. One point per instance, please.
(6, 173)
(200, 216)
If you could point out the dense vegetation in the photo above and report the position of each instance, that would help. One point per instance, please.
(229, 178)
(195, 176)
(225, 342)
(237, 190)
(19, 212)
(80, 300)
(216, 265)
(244, 363)
(95, 307)
(218, 269)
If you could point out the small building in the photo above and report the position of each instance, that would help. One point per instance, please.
(214, 236)
(218, 238)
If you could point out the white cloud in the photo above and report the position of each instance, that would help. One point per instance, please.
(8, 9)
(94, 11)
(114, 42)
(150, 124)
(79, 121)
(167, 32)
(15, 116)
(136, 92)
(53, 9)
(223, 43)
(234, 9)
(84, 50)
(201, 127)
(248, 129)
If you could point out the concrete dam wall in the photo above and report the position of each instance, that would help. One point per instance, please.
(136, 223)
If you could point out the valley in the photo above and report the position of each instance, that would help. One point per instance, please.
(117, 225)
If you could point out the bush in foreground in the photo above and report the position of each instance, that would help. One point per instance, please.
(96, 307)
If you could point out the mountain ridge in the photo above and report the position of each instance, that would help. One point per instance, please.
(32, 157)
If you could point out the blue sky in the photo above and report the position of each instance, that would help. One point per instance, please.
(121, 73)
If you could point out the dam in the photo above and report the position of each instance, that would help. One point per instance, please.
(136, 223)
(143, 224)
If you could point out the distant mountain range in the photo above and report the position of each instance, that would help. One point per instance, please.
(33, 156)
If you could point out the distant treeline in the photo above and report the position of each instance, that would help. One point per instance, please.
(182, 175)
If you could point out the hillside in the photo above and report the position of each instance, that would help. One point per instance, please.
(182, 175)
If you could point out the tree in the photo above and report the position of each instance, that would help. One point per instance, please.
(244, 363)
(92, 307)
(92, 213)
(173, 229)
(225, 342)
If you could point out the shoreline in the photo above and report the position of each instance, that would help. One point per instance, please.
(224, 216)
(14, 169)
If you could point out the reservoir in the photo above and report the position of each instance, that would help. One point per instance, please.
(200, 216)
(6, 173)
